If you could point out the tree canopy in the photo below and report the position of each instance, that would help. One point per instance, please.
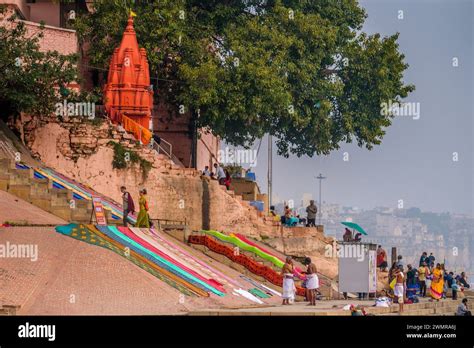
(300, 70)
(30, 78)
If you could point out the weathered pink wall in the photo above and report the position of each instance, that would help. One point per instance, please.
(80, 151)
(174, 128)
(55, 39)
(207, 149)
(45, 10)
(19, 5)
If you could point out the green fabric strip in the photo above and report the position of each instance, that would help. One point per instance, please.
(244, 246)
(258, 293)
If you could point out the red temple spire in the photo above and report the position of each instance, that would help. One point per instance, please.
(127, 90)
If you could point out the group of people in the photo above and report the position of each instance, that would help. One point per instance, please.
(311, 282)
(143, 218)
(290, 219)
(407, 286)
(222, 175)
(349, 237)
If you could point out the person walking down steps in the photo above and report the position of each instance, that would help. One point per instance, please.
(127, 204)
(142, 219)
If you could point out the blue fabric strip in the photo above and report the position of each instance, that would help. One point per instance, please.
(114, 233)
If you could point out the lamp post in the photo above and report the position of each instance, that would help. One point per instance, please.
(320, 178)
(270, 170)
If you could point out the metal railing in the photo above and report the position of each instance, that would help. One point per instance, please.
(165, 148)
(162, 224)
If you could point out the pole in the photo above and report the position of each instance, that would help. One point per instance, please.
(320, 177)
(269, 173)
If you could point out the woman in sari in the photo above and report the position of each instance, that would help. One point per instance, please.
(437, 283)
(142, 219)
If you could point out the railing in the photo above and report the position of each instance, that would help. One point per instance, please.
(143, 135)
(161, 224)
(167, 149)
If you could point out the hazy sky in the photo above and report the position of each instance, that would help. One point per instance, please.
(415, 160)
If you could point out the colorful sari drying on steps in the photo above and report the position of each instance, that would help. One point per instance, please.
(437, 284)
(142, 218)
(89, 234)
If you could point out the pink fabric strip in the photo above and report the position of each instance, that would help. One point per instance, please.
(230, 280)
(133, 236)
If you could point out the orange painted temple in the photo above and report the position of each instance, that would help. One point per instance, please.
(128, 93)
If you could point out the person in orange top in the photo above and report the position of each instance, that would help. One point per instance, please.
(381, 258)
(437, 284)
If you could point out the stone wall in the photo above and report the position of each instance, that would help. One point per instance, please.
(174, 128)
(54, 39)
(302, 242)
(79, 149)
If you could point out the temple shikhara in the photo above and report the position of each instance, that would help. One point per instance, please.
(128, 93)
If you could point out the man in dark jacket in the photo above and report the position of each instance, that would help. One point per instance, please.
(311, 210)
(463, 280)
(423, 258)
(127, 204)
(431, 261)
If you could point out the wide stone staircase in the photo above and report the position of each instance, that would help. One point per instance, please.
(21, 179)
(445, 307)
(84, 139)
(21, 182)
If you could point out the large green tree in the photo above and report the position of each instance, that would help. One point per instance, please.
(30, 79)
(301, 70)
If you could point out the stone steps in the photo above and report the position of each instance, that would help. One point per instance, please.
(255, 214)
(41, 193)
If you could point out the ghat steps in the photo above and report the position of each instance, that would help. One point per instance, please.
(22, 183)
(78, 139)
(425, 308)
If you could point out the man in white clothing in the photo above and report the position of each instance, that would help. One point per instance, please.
(289, 288)
(220, 173)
